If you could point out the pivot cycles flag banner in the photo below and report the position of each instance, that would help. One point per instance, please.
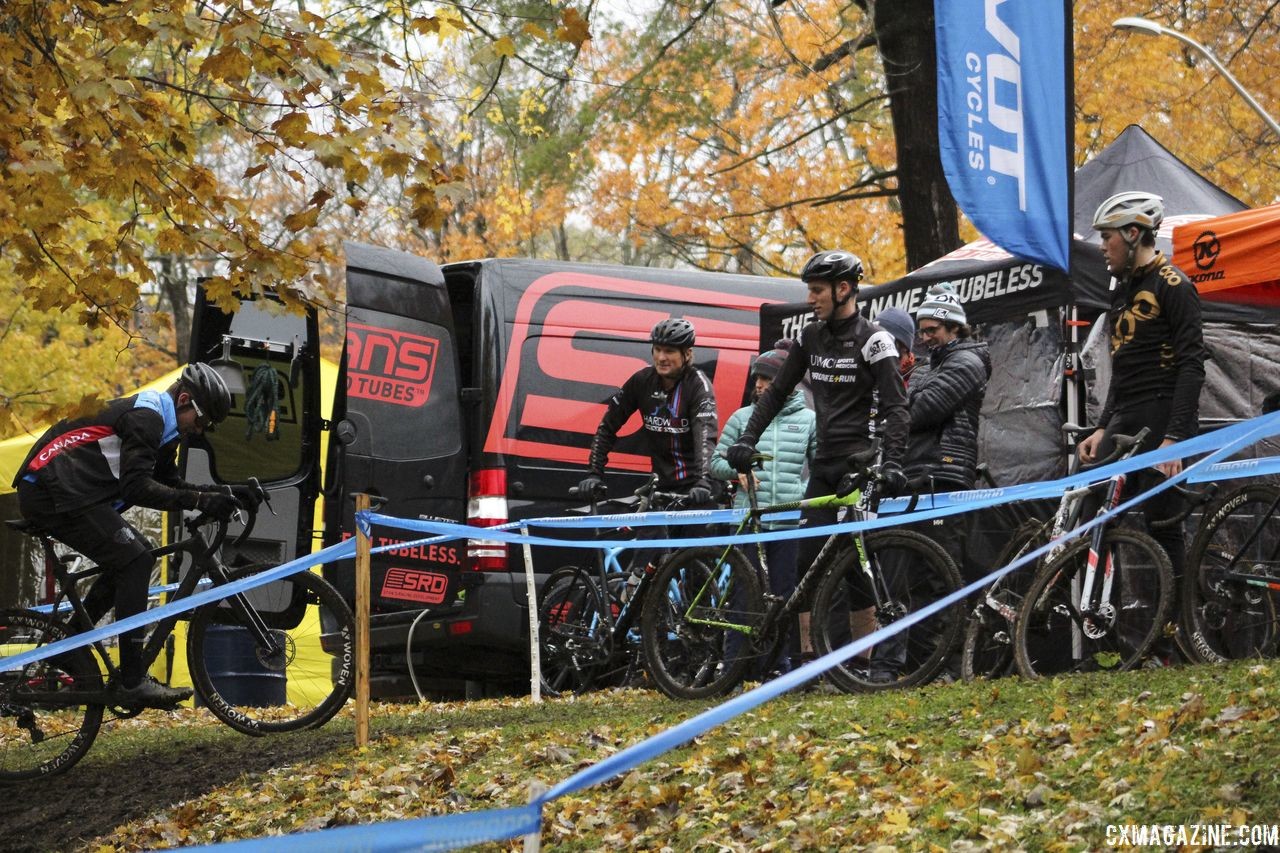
(1003, 98)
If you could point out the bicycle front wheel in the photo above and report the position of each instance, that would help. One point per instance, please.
(697, 619)
(916, 572)
(43, 729)
(1223, 617)
(296, 675)
(987, 651)
(1056, 632)
(573, 632)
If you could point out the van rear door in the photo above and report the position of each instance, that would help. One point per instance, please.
(271, 359)
(399, 433)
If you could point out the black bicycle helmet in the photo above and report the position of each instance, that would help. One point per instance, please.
(675, 332)
(833, 266)
(208, 389)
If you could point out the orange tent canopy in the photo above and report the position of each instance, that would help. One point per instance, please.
(1233, 258)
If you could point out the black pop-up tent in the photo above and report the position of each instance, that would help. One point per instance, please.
(1033, 316)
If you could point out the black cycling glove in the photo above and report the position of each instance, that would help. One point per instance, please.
(217, 504)
(739, 455)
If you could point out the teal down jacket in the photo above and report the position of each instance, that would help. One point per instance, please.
(791, 440)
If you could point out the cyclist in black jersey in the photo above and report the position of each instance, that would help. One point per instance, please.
(81, 474)
(677, 406)
(853, 373)
(1157, 348)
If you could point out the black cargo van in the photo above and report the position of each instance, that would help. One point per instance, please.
(468, 392)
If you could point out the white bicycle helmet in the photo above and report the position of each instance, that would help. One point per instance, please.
(1142, 209)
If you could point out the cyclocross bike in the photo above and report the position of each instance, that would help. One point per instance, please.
(588, 619)
(296, 633)
(987, 650)
(1100, 603)
(1231, 589)
(709, 617)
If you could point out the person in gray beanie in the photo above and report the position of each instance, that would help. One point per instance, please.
(898, 323)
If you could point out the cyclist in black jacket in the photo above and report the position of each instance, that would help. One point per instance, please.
(857, 388)
(1157, 348)
(82, 473)
(677, 406)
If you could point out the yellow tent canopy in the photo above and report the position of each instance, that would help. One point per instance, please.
(14, 450)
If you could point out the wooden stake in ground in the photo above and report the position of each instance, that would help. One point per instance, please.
(362, 627)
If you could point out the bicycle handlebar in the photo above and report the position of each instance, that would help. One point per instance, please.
(220, 534)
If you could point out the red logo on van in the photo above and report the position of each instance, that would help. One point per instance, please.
(391, 366)
(415, 585)
(556, 321)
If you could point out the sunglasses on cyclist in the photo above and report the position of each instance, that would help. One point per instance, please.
(202, 420)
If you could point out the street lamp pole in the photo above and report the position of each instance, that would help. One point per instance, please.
(1142, 25)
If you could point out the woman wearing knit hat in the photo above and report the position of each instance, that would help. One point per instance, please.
(790, 439)
(898, 323)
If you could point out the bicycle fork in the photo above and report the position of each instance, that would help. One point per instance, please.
(1097, 619)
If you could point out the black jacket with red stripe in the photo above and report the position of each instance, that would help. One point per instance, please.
(679, 426)
(125, 454)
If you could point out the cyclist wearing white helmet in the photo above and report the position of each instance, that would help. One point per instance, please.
(81, 474)
(678, 413)
(1157, 345)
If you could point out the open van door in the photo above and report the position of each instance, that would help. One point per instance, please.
(398, 430)
(270, 358)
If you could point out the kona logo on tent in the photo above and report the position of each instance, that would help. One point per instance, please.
(1206, 249)
(395, 367)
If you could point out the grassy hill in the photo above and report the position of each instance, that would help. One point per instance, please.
(1044, 765)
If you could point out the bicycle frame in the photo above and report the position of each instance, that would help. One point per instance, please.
(779, 609)
(205, 563)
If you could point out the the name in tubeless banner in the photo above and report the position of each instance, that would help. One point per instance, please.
(1192, 834)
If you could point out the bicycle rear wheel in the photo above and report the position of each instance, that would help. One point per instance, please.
(697, 594)
(918, 572)
(1054, 634)
(988, 632)
(1223, 618)
(38, 737)
(573, 632)
(298, 681)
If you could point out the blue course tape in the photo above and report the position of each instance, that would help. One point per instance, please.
(446, 832)
(935, 506)
(154, 592)
(339, 551)
(452, 831)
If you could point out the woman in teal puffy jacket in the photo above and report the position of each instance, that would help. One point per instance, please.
(790, 439)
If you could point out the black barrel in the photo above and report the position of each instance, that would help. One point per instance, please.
(236, 672)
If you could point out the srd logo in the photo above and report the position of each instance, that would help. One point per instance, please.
(415, 585)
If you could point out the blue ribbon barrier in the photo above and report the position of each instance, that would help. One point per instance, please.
(452, 831)
(935, 506)
(153, 592)
(447, 832)
(339, 551)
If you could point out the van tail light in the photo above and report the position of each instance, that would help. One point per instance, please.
(487, 507)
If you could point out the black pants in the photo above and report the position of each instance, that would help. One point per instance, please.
(101, 534)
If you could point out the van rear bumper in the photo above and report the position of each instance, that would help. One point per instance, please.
(487, 638)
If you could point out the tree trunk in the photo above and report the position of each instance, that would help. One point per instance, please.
(930, 223)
